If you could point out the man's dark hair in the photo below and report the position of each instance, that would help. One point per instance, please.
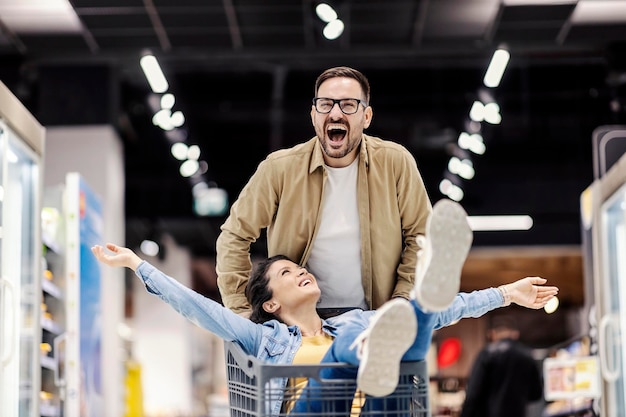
(348, 73)
(258, 291)
(503, 323)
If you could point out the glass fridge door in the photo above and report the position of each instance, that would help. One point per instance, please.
(612, 327)
(20, 274)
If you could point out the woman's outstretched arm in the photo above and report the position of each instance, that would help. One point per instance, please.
(198, 309)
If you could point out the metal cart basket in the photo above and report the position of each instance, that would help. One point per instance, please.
(250, 391)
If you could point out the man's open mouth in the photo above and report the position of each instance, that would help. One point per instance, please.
(336, 133)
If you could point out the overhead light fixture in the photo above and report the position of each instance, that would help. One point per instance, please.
(496, 68)
(179, 151)
(189, 167)
(552, 305)
(537, 2)
(167, 101)
(149, 247)
(473, 142)
(154, 75)
(162, 119)
(325, 12)
(499, 223)
(463, 168)
(489, 112)
(453, 191)
(177, 119)
(334, 26)
(333, 29)
(209, 200)
(477, 111)
(193, 152)
(492, 113)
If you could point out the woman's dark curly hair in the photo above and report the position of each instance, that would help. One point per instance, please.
(258, 290)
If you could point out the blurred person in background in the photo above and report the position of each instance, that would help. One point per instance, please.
(505, 378)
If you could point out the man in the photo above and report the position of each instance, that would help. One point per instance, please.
(346, 205)
(504, 378)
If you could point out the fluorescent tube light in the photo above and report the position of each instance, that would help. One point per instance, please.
(499, 223)
(537, 2)
(153, 73)
(496, 68)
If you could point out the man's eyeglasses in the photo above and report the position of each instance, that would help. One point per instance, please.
(347, 105)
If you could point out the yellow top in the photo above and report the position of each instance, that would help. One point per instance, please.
(311, 352)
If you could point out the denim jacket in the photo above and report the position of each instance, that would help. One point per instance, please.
(275, 342)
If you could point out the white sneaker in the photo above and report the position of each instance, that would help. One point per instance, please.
(439, 264)
(381, 346)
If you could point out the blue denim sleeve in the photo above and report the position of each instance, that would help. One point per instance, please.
(474, 304)
(200, 310)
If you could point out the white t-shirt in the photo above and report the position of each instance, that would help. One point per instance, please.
(335, 258)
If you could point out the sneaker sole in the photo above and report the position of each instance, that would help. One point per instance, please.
(391, 335)
(451, 239)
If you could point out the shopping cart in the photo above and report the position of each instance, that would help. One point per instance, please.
(250, 391)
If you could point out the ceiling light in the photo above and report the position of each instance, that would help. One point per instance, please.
(188, 168)
(537, 2)
(149, 247)
(492, 113)
(477, 111)
(333, 29)
(496, 68)
(211, 201)
(177, 119)
(462, 168)
(199, 188)
(162, 119)
(179, 151)
(500, 223)
(473, 142)
(325, 12)
(153, 73)
(193, 152)
(167, 101)
(453, 191)
(552, 305)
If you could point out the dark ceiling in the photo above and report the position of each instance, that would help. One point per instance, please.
(243, 71)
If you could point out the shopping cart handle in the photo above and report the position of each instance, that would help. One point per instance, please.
(246, 363)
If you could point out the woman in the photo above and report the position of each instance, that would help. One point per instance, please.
(284, 295)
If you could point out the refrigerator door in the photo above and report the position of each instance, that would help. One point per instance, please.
(20, 296)
(612, 328)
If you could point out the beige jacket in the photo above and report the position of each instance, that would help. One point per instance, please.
(284, 195)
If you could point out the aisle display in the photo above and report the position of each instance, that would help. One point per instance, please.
(53, 309)
(72, 311)
(84, 330)
(603, 204)
(21, 150)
